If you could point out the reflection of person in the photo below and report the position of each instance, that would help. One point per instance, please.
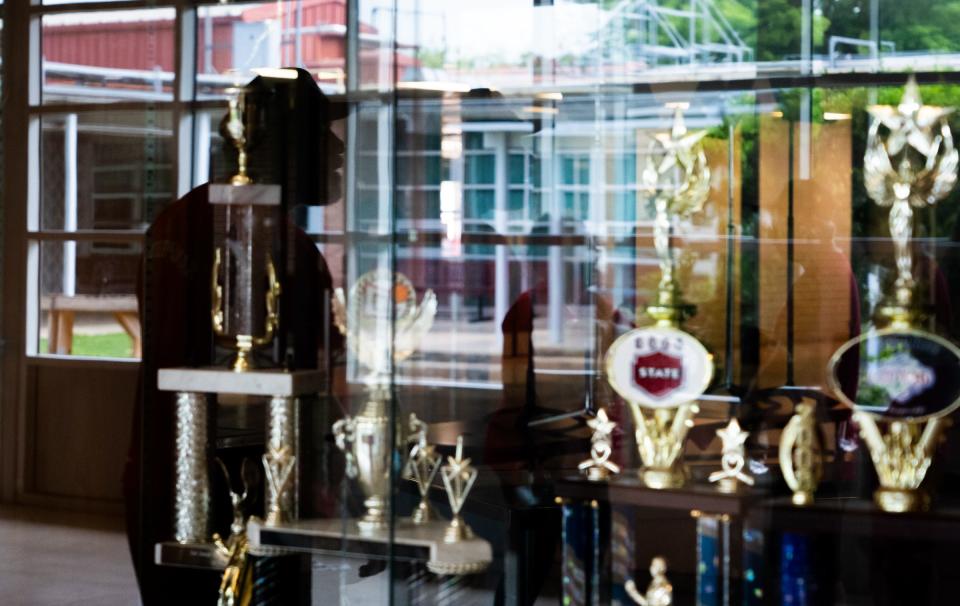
(175, 312)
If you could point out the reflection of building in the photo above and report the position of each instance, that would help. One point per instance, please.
(129, 54)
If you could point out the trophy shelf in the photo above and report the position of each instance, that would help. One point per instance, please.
(422, 543)
(856, 516)
(626, 490)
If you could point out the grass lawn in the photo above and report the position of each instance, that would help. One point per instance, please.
(111, 345)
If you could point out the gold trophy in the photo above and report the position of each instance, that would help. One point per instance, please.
(659, 592)
(801, 454)
(458, 478)
(732, 459)
(907, 379)
(599, 466)
(422, 466)
(366, 322)
(243, 270)
(660, 371)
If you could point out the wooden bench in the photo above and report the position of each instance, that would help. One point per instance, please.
(62, 309)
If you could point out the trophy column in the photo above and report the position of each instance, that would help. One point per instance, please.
(192, 481)
(282, 437)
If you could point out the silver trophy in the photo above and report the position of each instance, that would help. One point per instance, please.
(380, 305)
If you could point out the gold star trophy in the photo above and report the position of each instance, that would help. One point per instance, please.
(422, 466)
(906, 379)
(599, 466)
(369, 321)
(660, 371)
(732, 458)
(458, 478)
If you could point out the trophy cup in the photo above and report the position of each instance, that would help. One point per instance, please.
(800, 455)
(599, 466)
(422, 467)
(366, 322)
(243, 271)
(907, 378)
(660, 371)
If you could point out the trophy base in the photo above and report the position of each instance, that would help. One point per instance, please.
(422, 514)
(728, 485)
(659, 479)
(898, 500)
(457, 531)
(372, 521)
(802, 498)
(598, 474)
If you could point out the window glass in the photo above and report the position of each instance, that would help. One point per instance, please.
(87, 304)
(105, 169)
(104, 56)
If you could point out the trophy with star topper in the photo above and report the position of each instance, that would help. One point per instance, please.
(660, 370)
(599, 466)
(458, 478)
(907, 379)
(732, 458)
(422, 467)
(366, 321)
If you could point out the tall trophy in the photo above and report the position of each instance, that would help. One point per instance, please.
(244, 287)
(660, 370)
(907, 379)
(377, 300)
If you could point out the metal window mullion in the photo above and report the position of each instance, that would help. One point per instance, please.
(184, 84)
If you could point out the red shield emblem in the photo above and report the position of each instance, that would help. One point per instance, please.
(658, 373)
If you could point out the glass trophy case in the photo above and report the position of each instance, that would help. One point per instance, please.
(628, 303)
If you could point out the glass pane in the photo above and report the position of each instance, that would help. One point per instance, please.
(244, 37)
(106, 56)
(105, 169)
(88, 304)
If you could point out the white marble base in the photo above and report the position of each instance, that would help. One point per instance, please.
(255, 193)
(250, 383)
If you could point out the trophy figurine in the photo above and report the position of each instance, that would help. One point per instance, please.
(243, 271)
(800, 455)
(659, 592)
(366, 321)
(599, 466)
(422, 466)
(279, 464)
(732, 458)
(907, 379)
(660, 371)
(458, 478)
(236, 582)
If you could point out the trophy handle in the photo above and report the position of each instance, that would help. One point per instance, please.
(216, 295)
(272, 298)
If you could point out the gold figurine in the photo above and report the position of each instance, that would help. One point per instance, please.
(660, 371)
(732, 458)
(659, 592)
(237, 581)
(422, 467)
(236, 130)
(599, 466)
(458, 478)
(903, 392)
(279, 464)
(800, 455)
